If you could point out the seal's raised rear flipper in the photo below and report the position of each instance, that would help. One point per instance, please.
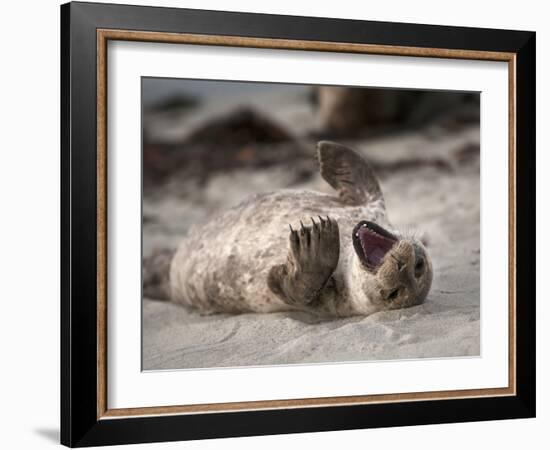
(347, 172)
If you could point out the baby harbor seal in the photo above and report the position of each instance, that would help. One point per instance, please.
(299, 250)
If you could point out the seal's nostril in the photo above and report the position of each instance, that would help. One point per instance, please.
(393, 294)
(400, 264)
(409, 281)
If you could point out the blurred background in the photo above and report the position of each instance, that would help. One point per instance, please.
(207, 144)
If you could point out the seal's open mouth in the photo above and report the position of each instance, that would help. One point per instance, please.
(371, 243)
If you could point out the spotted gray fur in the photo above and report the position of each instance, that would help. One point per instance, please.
(225, 264)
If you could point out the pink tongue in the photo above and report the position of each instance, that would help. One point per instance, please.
(374, 246)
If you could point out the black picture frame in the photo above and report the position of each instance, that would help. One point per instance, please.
(80, 425)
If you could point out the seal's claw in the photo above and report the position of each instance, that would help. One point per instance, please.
(294, 241)
(316, 245)
(313, 257)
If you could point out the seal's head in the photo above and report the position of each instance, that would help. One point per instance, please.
(389, 271)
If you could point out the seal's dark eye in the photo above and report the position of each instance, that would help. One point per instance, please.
(419, 267)
(393, 294)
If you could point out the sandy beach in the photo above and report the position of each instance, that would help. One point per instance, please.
(430, 179)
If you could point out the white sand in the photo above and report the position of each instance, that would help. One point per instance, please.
(441, 203)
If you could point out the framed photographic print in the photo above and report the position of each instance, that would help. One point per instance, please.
(276, 224)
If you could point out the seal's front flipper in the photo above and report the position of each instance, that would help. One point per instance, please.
(347, 172)
(313, 257)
